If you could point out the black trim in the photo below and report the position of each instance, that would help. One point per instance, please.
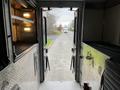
(4, 61)
(8, 28)
(89, 5)
(45, 23)
(31, 3)
(75, 24)
(60, 3)
(41, 44)
(78, 45)
(95, 5)
(111, 3)
(78, 34)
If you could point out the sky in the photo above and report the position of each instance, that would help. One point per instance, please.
(63, 16)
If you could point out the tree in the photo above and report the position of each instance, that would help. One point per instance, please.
(60, 28)
(71, 25)
(51, 20)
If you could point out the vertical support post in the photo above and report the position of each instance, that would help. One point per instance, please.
(3, 50)
(75, 30)
(40, 42)
(2, 32)
(7, 28)
(79, 39)
(45, 29)
(78, 45)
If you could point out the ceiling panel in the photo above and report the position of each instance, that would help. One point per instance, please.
(76, 0)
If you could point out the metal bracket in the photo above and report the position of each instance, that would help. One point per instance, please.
(47, 64)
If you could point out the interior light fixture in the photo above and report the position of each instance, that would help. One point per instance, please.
(27, 29)
(26, 15)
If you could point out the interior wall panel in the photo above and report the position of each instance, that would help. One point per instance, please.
(112, 25)
(93, 24)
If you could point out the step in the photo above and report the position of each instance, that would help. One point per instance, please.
(60, 85)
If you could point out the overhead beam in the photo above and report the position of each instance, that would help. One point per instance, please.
(60, 3)
(95, 5)
(111, 3)
(89, 5)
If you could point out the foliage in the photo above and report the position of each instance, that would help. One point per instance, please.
(49, 43)
(51, 20)
(60, 28)
(71, 26)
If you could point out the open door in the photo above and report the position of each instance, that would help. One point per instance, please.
(42, 40)
(77, 35)
(40, 35)
(46, 60)
(78, 38)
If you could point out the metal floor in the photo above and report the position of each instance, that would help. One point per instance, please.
(57, 85)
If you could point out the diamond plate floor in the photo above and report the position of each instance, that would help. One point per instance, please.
(21, 73)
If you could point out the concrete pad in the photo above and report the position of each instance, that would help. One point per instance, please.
(57, 85)
(60, 59)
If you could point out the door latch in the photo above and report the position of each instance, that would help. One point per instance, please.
(89, 56)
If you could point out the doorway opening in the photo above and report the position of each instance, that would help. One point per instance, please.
(60, 33)
(59, 24)
(77, 41)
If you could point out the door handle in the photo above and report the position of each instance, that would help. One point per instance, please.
(73, 50)
(72, 65)
(35, 63)
(46, 50)
(89, 56)
(14, 52)
(47, 63)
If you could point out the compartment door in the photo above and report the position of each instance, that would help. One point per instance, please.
(7, 27)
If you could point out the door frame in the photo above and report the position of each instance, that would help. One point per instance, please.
(40, 36)
(8, 29)
(79, 32)
(45, 29)
(79, 40)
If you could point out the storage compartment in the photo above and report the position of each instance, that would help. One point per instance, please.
(93, 66)
(101, 46)
(101, 57)
(24, 33)
(102, 25)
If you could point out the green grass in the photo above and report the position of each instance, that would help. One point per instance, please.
(49, 43)
(57, 32)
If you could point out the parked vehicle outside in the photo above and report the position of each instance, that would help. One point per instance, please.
(65, 30)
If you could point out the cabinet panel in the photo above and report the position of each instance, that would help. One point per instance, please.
(21, 72)
(93, 66)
